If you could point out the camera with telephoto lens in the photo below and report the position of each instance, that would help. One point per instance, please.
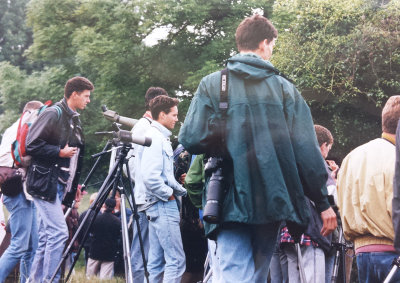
(215, 189)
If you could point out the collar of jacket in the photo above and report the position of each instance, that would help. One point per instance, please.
(147, 115)
(166, 133)
(251, 66)
(389, 138)
(67, 110)
(252, 59)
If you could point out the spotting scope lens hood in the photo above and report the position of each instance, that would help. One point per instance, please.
(115, 117)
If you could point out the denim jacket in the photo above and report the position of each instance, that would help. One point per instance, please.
(135, 162)
(157, 166)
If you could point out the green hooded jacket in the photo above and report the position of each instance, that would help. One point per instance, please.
(270, 138)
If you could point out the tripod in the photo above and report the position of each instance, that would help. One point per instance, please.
(340, 257)
(111, 183)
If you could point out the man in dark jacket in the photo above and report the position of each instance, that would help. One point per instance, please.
(103, 249)
(55, 142)
(271, 142)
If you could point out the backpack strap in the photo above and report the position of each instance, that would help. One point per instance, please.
(59, 111)
(19, 124)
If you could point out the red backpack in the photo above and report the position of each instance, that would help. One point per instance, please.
(18, 147)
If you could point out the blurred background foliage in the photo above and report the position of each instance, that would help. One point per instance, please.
(343, 55)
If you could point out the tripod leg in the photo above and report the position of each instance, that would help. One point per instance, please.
(343, 262)
(207, 269)
(139, 230)
(125, 241)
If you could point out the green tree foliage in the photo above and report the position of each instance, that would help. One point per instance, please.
(105, 41)
(15, 36)
(344, 56)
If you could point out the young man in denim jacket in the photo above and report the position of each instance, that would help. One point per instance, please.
(166, 261)
(140, 128)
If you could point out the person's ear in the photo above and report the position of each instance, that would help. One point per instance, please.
(262, 44)
(161, 115)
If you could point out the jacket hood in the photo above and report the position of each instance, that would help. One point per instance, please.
(251, 66)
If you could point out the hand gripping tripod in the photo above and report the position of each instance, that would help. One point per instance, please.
(112, 182)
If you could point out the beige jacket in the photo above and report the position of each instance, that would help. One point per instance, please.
(365, 192)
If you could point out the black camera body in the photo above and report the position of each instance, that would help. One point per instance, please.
(215, 190)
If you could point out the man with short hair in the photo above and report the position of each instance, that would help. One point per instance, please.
(22, 211)
(325, 142)
(365, 192)
(272, 157)
(166, 261)
(139, 130)
(55, 141)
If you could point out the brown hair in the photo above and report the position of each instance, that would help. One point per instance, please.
(391, 114)
(151, 93)
(77, 84)
(252, 30)
(160, 104)
(323, 135)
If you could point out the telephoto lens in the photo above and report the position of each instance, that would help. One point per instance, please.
(214, 197)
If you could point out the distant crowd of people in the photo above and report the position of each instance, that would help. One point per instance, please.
(282, 211)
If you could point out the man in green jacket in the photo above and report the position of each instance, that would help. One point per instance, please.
(275, 158)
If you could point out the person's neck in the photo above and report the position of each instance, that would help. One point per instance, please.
(147, 114)
(159, 122)
(70, 105)
(258, 52)
(245, 52)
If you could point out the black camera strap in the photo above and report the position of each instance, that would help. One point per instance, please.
(223, 103)
(223, 100)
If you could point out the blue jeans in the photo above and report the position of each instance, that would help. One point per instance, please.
(53, 234)
(214, 261)
(136, 254)
(245, 251)
(374, 267)
(329, 263)
(166, 255)
(23, 237)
